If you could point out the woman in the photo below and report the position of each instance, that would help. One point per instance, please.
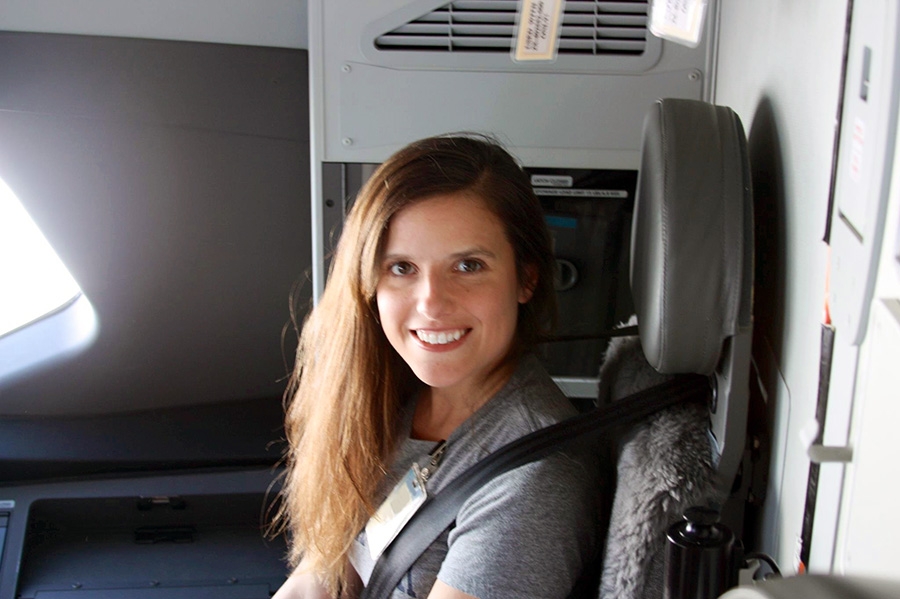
(441, 284)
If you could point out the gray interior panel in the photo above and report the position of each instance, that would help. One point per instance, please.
(172, 178)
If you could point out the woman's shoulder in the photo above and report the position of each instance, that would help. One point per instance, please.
(564, 482)
(530, 399)
(504, 528)
(528, 402)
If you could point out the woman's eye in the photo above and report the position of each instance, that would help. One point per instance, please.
(469, 265)
(400, 268)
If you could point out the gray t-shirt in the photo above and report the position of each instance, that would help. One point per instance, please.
(528, 532)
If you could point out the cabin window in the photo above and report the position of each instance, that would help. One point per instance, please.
(35, 282)
(43, 313)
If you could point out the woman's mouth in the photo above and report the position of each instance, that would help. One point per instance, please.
(440, 338)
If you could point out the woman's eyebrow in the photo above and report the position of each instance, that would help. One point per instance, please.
(474, 251)
(466, 253)
(394, 256)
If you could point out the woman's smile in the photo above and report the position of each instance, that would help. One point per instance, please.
(442, 338)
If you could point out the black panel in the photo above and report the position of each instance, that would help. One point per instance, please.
(230, 434)
(588, 212)
(166, 547)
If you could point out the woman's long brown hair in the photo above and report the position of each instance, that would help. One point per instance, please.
(343, 404)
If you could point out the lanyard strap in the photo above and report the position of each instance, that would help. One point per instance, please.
(440, 510)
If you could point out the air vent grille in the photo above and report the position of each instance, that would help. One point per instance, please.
(589, 27)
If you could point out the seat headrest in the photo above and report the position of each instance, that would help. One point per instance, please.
(691, 243)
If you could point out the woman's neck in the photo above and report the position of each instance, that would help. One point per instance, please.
(440, 411)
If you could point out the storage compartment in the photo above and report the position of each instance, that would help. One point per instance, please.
(195, 546)
(588, 212)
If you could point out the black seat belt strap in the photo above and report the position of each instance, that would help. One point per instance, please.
(439, 511)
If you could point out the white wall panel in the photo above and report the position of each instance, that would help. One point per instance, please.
(779, 67)
(869, 519)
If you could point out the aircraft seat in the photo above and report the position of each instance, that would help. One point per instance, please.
(691, 278)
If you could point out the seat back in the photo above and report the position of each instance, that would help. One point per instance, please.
(691, 279)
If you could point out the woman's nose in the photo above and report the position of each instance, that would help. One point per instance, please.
(434, 296)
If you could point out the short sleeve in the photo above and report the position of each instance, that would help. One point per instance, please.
(527, 533)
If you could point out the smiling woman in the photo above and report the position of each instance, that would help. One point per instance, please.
(43, 313)
(415, 364)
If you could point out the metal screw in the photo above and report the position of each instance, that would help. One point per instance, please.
(329, 203)
(76, 585)
(346, 68)
(694, 76)
(154, 583)
(232, 580)
(347, 141)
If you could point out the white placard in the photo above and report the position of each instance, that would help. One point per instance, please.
(580, 193)
(679, 21)
(538, 32)
(552, 180)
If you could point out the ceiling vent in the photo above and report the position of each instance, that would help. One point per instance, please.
(590, 27)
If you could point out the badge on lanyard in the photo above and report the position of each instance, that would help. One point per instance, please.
(401, 505)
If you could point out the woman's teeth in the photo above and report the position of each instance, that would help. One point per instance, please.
(441, 338)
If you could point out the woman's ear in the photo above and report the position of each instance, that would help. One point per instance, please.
(527, 286)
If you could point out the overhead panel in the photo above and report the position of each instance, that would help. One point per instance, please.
(390, 72)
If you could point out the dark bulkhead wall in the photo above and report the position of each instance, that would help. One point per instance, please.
(173, 180)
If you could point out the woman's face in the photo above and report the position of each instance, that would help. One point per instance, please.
(448, 293)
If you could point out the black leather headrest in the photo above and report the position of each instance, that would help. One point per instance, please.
(691, 245)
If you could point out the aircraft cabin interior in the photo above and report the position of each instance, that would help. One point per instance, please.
(174, 175)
